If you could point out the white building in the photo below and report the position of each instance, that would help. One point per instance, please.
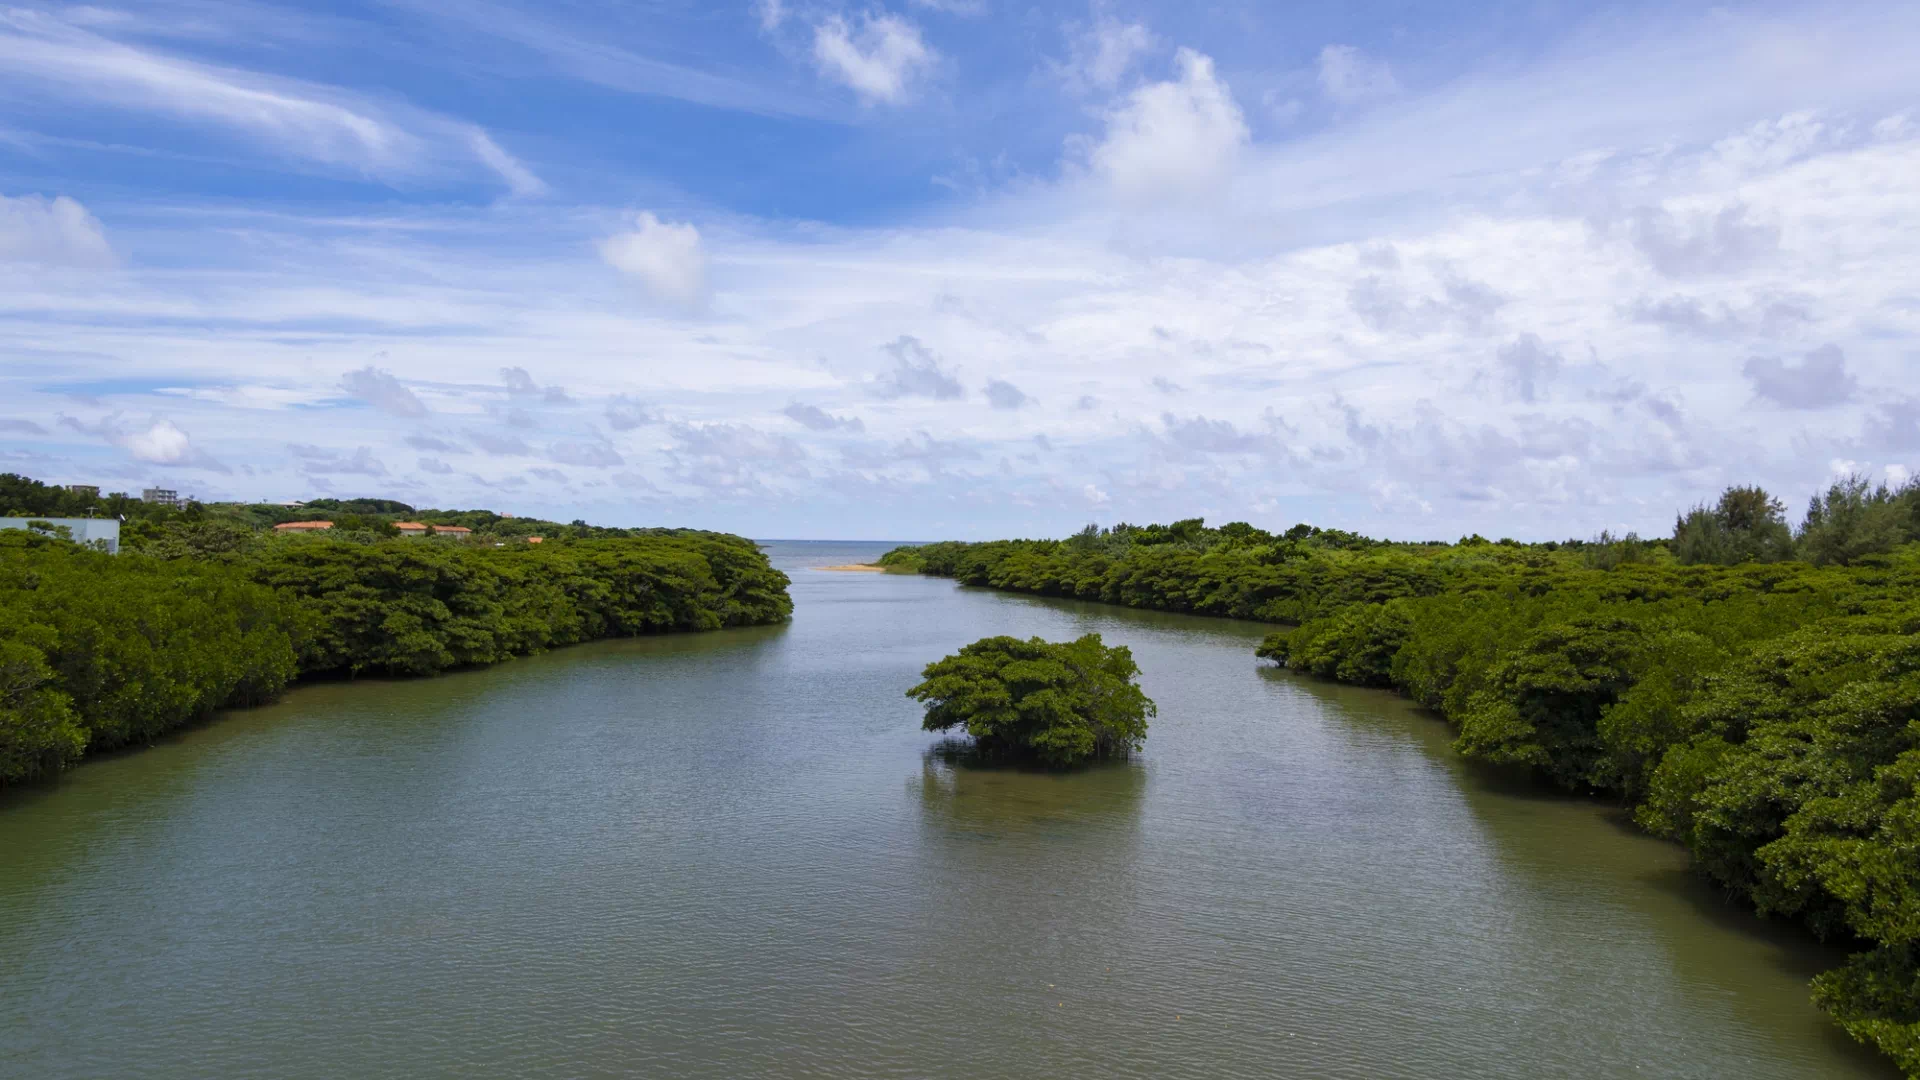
(103, 533)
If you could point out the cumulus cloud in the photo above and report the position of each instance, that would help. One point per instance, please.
(668, 260)
(625, 414)
(1895, 425)
(916, 373)
(51, 232)
(21, 427)
(382, 391)
(1207, 436)
(435, 466)
(319, 460)
(879, 59)
(1525, 368)
(1820, 379)
(520, 384)
(1348, 76)
(160, 442)
(596, 453)
(1700, 243)
(1101, 55)
(732, 458)
(499, 443)
(1177, 137)
(1004, 395)
(814, 418)
(1386, 304)
(1693, 316)
(429, 442)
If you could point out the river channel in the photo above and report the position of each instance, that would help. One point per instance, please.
(736, 855)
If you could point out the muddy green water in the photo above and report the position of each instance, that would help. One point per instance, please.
(733, 855)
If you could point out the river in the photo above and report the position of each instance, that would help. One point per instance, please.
(735, 855)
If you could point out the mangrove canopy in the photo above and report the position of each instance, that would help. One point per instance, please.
(1057, 703)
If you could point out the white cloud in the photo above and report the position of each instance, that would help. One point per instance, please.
(1348, 76)
(310, 121)
(382, 391)
(771, 13)
(519, 178)
(667, 259)
(1101, 55)
(1181, 137)
(1819, 380)
(594, 453)
(161, 442)
(624, 414)
(1360, 279)
(814, 418)
(916, 372)
(1526, 368)
(879, 60)
(54, 232)
(1002, 394)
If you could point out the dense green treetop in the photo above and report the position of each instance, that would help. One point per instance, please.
(1058, 703)
(204, 610)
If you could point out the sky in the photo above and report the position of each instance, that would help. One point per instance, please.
(922, 269)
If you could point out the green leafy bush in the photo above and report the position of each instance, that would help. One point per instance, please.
(99, 651)
(1057, 703)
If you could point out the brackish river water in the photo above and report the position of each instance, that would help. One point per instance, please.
(733, 855)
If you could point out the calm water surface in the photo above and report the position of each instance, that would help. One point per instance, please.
(732, 855)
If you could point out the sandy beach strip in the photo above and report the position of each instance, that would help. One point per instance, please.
(864, 568)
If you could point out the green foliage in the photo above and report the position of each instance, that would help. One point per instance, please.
(99, 651)
(1854, 519)
(1057, 703)
(1764, 713)
(1747, 525)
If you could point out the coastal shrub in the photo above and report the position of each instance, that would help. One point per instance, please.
(99, 651)
(1058, 703)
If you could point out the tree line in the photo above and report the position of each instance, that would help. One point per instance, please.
(1750, 689)
(198, 614)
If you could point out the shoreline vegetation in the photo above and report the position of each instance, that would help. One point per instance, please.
(1750, 690)
(208, 607)
(1054, 703)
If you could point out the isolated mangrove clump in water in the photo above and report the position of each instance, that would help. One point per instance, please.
(1055, 702)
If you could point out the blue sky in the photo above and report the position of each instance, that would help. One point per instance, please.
(962, 267)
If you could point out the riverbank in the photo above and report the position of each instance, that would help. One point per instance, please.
(103, 651)
(855, 568)
(1760, 715)
(462, 875)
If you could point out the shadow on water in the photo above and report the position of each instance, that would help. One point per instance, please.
(961, 789)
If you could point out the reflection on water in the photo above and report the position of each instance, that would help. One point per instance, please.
(958, 790)
(737, 854)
